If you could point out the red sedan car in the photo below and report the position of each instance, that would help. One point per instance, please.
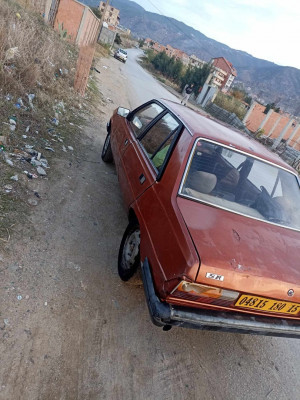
(213, 221)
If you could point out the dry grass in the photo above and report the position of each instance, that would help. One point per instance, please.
(231, 104)
(44, 65)
(102, 51)
(32, 57)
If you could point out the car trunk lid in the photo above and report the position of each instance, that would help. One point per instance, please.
(250, 256)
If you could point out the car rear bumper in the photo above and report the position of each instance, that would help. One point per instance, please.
(120, 58)
(166, 315)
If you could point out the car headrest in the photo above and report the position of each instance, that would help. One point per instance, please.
(203, 182)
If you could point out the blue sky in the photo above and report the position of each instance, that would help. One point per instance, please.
(268, 29)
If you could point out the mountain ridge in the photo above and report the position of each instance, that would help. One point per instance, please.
(268, 81)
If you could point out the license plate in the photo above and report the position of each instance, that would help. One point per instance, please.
(268, 305)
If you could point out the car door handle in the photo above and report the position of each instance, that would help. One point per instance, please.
(142, 178)
(126, 142)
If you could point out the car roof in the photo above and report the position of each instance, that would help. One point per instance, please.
(202, 126)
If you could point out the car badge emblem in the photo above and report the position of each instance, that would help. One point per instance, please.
(214, 276)
(290, 292)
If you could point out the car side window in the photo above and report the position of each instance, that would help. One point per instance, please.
(158, 139)
(142, 118)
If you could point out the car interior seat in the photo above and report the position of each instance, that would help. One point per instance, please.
(203, 182)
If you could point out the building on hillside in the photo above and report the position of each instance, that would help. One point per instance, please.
(111, 15)
(216, 78)
(170, 51)
(182, 56)
(177, 54)
(228, 70)
(148, 42)
(196, 62)
(158, 47)
(122, 29)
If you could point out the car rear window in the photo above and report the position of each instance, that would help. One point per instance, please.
(236, 181)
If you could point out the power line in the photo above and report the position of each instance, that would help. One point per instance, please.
(171, 20)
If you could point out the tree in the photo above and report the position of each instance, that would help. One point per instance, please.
(177, 70)
(173, 69)
(118, 39)
(248, 99)
(97, 12)
(195, 75)
(271, 106)
(241, 94)
(238, 93)
(267, 109)
(141, 42)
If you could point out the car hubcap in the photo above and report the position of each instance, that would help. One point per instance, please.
(131, 248)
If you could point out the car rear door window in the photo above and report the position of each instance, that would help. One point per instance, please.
(158, 139)
(143, 117)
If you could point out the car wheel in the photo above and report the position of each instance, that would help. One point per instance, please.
(106, 154)
(129, 252)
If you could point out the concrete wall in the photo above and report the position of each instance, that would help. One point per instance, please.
(257, 116)
(107, 36)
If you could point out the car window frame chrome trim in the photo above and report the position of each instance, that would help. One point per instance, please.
(179, 118)
(131, 114)
(187, 168)
(181, 127)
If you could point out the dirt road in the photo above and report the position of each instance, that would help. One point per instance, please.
(71, 330)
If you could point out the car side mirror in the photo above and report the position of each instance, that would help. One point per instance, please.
(123, 112)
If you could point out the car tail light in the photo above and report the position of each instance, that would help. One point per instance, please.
(204, 294)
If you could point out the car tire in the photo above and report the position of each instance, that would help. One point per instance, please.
(129, 252)
(106, 154)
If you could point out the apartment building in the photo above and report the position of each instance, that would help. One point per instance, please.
(182, 56)
(216, 78)
(225, 73)
(112, 14)
(170, 50)
(158, 47)
(196, 62)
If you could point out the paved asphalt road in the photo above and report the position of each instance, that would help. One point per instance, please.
(142, 86)
(206, 365)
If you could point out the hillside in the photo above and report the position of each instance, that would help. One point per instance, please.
(268, 81)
